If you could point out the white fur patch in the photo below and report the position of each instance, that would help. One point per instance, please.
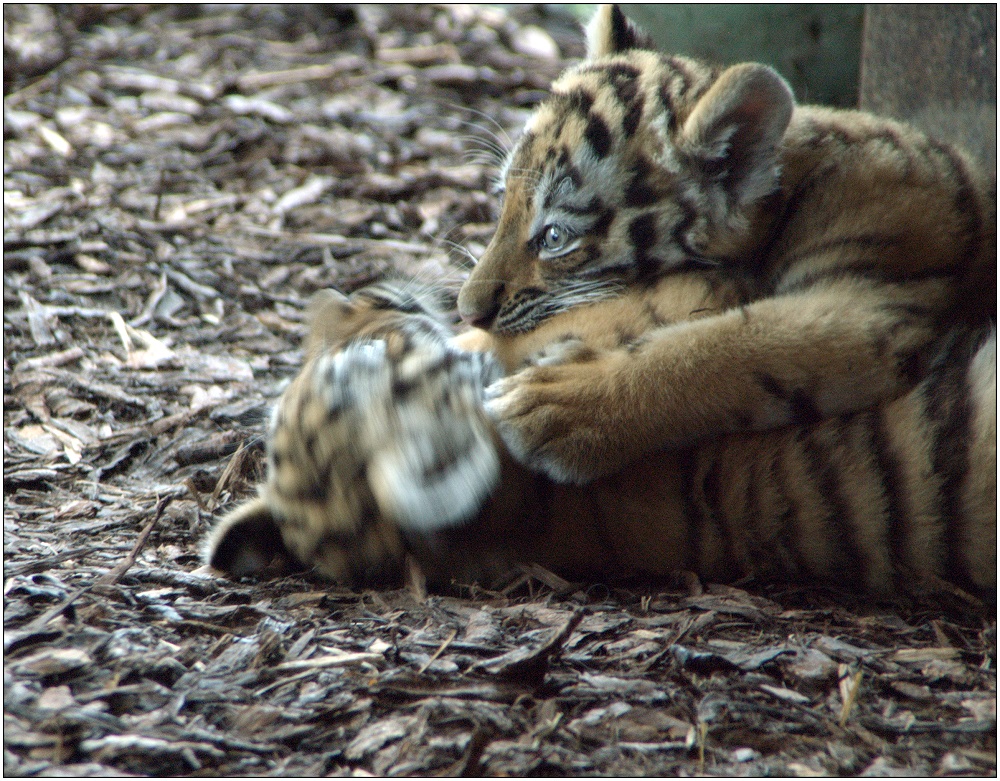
(411, 486)
(431, 459)
(983, 374)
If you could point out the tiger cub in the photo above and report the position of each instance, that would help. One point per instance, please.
(383, 404)
(859, 241)
(879, 500)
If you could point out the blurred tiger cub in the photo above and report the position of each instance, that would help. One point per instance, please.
(381, 447)
(382, 426)
(861, 243)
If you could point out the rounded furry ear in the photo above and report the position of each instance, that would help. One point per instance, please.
(246, 541)
(735, 129)
(325, 316)
(611, 32)
(326, 301)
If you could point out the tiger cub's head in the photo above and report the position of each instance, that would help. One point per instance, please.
(637, 163)
(376, 446)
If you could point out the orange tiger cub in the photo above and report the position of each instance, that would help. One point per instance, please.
(880, 500)
(859, 242)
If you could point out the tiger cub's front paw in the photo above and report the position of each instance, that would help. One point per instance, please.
(559, 415)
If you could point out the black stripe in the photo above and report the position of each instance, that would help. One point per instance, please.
(443, 462)
(786, 540)
(541, 509)
(672, 122)
(642, 234)
(565, 164)
(893, 485)
(751, 529)
(872, 242)
(603, 223)
(888, 135)
(344, 538)
(711, 489)
(637, 344)
(803, 408)
(638, 192)
(681, 72)
(760, 263)
(521, 159)
(615, 72)
(872, 271)
(624, 337)
(580, 101)
(610, 560)
(692, 510)
(318, 489)
(276, 458)
(909, 310)
(630, 122)
(625, 82)
(948, 407)
(590, 256)
(621, 34)
(770, 385)
(848, 566)
(402, 388)
(911, 365)
(593, 206)
(679, 233)
(598, 135)
(654, 317)
(826, 135)
(966, 203)
(388, 298)
(311, 441)
(767, 557)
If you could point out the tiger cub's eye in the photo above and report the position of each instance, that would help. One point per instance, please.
(554, 238)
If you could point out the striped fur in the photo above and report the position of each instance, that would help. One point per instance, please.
(357, 449)
(858, 241)
(882, 500)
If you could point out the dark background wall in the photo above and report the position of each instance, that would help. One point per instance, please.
(816, 47)
(936, 66)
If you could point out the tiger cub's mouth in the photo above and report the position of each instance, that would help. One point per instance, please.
(530, 307)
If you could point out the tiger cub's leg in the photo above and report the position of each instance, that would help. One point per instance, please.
(777, 362)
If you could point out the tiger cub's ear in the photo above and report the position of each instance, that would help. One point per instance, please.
(325, 316)
(247, 541)
(733, 133)
(329, 304)
(610, 32)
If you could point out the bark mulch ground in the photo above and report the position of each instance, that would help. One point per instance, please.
(177, 181)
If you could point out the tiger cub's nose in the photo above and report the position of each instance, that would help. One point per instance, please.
(479, 303)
